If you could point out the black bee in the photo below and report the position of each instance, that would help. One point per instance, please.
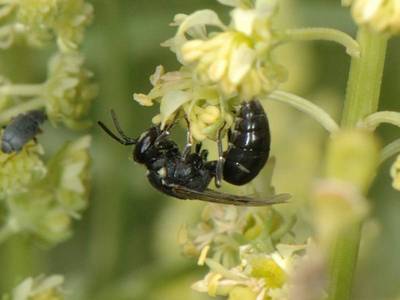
(21, 130)
(183, 176)
(249, 146)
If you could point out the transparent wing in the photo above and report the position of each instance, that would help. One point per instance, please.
(224, 198)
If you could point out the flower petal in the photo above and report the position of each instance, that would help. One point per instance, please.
(171, 101)
(240, 63)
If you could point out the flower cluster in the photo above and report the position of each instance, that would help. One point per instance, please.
(68, 90)
(43, 20)
(257, 276)
(43, 199)
(177, 93)
(223, 229)
(380, 15)
(39, 288)
(220, 69)
(237, 58)
(20, 170)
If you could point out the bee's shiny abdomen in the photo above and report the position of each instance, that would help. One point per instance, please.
(249, 145)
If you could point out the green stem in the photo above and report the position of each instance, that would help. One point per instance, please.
(364, 84)
(6, 115)
(362, 99)
(27, 90)
(307, 107)
(391, 149)
(326, 34)
(373, 121)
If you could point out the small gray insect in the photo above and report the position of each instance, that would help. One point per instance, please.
(21, 129)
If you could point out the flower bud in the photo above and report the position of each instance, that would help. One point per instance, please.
(20, 170)
(42, 20)
(380, 15)
(353, 156)
(69, 91)
(39, 288)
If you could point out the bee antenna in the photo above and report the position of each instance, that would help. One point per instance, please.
(123, 138)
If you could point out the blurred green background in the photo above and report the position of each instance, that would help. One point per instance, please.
(125, 246)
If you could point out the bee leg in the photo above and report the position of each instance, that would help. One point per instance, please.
(165, 132)
(189, 142)
(220, 162)
(204, 154)
(198, 148)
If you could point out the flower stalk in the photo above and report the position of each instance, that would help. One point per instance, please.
(378, 118)
(390, 150)
(6, 115)
(365, 77)
(21, 90)
(307, 107)
(327, 34)
(362, 99)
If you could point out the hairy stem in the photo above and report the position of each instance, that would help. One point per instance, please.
(362, 99)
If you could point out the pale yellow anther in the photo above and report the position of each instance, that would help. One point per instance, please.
(210, 115)
(192, 50)
(197, 131)
(143, 99)
(213, 285)
(203, 255)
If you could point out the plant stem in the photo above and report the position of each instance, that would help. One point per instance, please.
(21, 89)
(326, 34)
(391, 149)
(389, 117)
(307, 107)
(365, 78)
(6, 115)
(362, 99)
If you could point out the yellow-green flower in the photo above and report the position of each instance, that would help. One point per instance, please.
(69, 175)
(46, 210)
(41, 20)
(19, 171)
(395, 173)
(380, 15)
(258, 276)
(178, 94)
(36, 18)
(69, 90)
(39, 288)
(71, 23)
(223, 229)
(238, 57)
